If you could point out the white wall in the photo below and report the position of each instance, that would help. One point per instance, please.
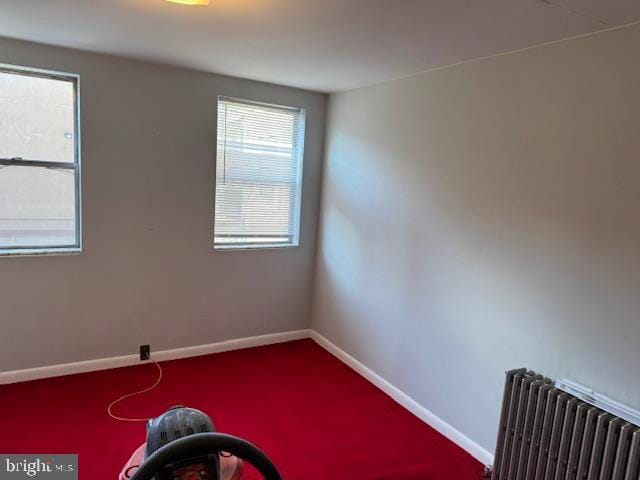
(484, 217)
(148, 273)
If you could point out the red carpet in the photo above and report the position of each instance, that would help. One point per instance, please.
(316, 418)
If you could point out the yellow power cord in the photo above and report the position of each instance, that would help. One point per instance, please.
(117, 400)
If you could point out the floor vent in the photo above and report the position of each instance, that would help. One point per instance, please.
(548, 434)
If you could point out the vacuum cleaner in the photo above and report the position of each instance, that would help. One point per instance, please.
(182, 444)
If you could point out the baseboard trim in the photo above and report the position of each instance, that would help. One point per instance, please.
(406, 401)
(161, 355)
(394, 392)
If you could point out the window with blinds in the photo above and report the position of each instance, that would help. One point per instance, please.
(258, 175)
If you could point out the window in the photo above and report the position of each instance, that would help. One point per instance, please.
(39, 162)
(258, 175)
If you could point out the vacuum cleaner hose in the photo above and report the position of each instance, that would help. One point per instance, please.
(203, 444)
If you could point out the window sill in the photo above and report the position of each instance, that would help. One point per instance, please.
(40, 252)
(284, 246)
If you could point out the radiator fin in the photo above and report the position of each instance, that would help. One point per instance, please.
(576, 440)
(521, 417)
(548, 434)
(528, 437)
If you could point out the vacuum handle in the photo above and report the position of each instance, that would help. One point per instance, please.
(203, 444)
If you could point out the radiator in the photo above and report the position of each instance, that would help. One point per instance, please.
(548, 434)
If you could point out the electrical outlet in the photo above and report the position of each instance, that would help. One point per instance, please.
(145, 352)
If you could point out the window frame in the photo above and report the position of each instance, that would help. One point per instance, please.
(296, 240)
(75, 166)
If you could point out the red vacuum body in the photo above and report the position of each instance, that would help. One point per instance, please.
(230, 467)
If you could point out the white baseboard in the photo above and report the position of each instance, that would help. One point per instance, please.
(398, 395)
(160, 355)
(406, 401)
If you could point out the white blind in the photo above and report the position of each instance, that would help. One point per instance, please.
(258, 174)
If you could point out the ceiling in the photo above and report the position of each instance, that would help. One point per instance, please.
(324, 45)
